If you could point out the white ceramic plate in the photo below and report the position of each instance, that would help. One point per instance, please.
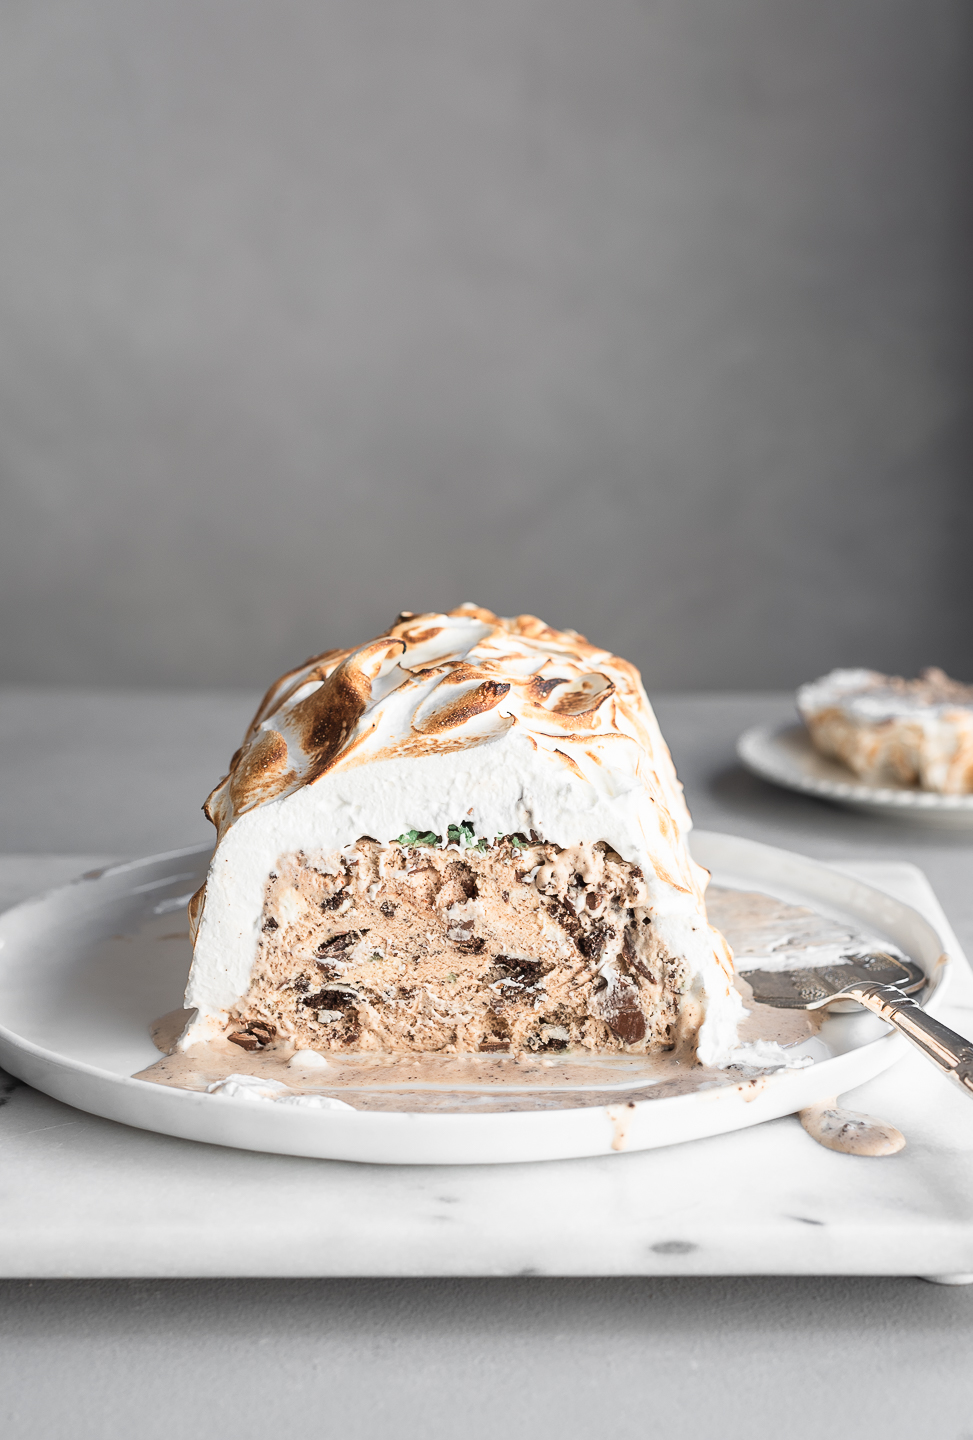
(784, 755)
(84, 970)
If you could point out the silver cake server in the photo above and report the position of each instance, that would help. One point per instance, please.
(883, 985)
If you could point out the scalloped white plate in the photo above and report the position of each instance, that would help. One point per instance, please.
(784, 755)
(86, 968)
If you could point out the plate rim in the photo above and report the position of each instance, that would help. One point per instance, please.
(785, 773)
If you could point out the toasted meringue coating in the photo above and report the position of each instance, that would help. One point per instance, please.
(444, 717)
(439, 683)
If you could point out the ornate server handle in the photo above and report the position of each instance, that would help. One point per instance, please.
(952, 1054)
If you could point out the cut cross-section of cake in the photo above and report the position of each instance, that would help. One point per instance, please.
(466, 835)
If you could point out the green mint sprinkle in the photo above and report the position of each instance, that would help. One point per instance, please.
(464, 835)
(418, 837)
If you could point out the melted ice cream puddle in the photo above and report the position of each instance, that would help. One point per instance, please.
(849, 1131)
(768, 934)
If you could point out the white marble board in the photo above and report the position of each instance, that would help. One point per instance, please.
(81, 1196)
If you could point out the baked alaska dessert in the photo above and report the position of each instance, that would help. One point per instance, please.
(894, 731)
(464, 836)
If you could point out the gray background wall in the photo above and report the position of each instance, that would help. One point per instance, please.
(650, 317)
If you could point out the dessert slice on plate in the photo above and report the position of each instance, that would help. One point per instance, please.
(465, 835)
(893, 731)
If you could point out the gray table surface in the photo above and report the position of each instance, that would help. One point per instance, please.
(123, 774)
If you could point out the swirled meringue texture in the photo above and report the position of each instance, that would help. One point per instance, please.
(444, 718)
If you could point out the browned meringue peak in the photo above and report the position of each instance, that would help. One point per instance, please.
(434, 683)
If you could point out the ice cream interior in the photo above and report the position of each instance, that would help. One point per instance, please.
(421, 948)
